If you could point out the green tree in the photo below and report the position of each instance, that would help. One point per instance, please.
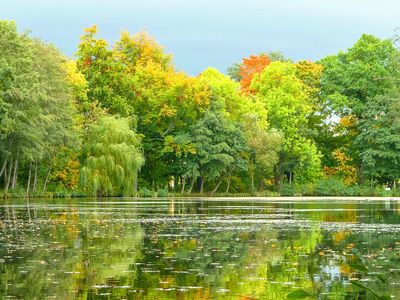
(379, 138)
(263, 150)
(233, 71)
(289, 105)
(136, 76)
(106, 75)
(215, 148)
(351, 78)
(353, 82)
(112, 157)
(36, 106)
(166, 102)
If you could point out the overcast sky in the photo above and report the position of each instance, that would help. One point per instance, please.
(202, 33)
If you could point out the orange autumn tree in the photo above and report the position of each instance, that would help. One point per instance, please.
(250, 67)
(345, 168)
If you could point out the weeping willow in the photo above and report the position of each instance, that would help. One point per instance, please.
(113, 157)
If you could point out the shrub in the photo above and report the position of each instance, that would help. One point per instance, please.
(162, 193)
(19, 192)
(61, 194)
(330, 186)
(77, 194)
(144, 192)
(269, 193)
(287, 190)
(307, 189)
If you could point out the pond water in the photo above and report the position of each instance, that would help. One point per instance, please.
(199, 249)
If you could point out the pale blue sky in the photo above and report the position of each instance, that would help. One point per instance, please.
(216, 33)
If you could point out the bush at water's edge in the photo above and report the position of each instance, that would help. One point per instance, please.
(323, 187)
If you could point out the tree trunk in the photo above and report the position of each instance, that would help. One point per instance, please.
(183, 182)
(3, 167)
(279, 173)
(47, 178)
(229, 179)
(192, 184)
(276, 175)
(261, 187)
(7, 177)
(281, 178)
(201, 184)
(14, 181)
(29, 180)
(252, 183)
(228, 185)
(216, 188)
(176, 183)
(135, 183)
(35, 179)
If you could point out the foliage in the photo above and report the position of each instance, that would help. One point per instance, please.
(66, 168)
(144, 192)
(233, 72)
(344, 169)
(162, 193)
(216, 146)
(36, 106)
(288, 105)
(250, 67)
(112, 156)
(379, 138)
(106, 78)
(287, 190)
(263, 150)
(333, 186)
(352, 84)
(273, 124)
(364, 71)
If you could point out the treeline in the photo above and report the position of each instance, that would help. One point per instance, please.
(121, 120)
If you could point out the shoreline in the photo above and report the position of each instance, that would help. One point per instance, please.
(219, 199)
(286, 198)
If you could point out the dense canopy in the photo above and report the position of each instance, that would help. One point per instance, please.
(120, 120)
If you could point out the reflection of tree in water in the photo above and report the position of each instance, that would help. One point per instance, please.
(223, 262)
(367, 212)
(66, 255)
(266, 264)
(181, 251)
(369, 257)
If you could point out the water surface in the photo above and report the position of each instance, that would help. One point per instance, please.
(199, 249)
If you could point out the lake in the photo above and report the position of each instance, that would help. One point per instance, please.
(199, 249)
